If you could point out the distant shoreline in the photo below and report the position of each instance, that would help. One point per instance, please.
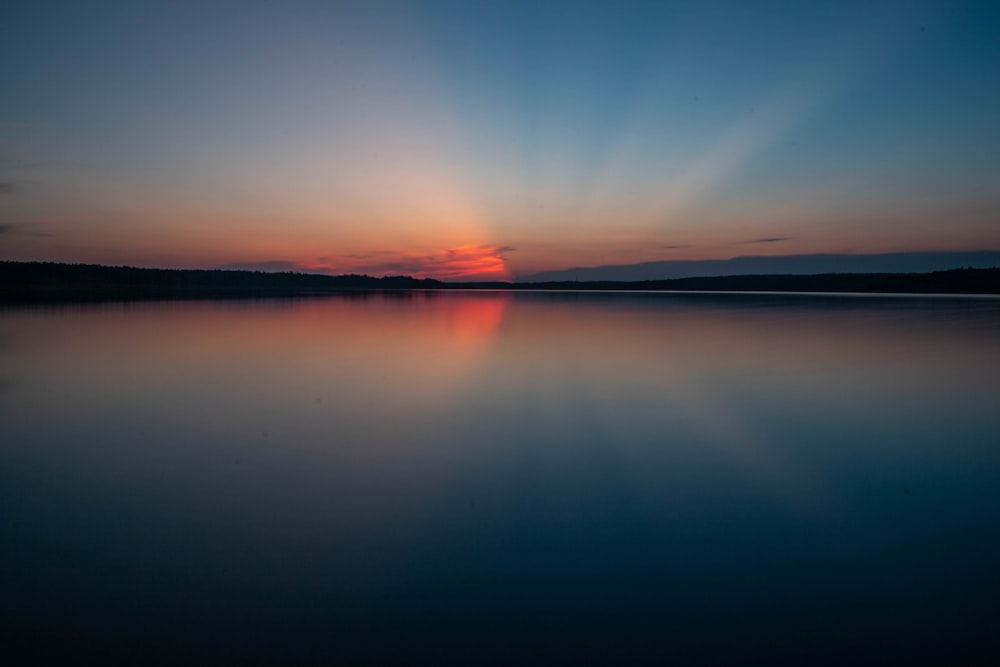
(49, 282)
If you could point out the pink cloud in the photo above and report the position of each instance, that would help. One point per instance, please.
(473, 262)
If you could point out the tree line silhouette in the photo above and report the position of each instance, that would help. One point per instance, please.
(952, 281)
(33, 281)
(50, 281)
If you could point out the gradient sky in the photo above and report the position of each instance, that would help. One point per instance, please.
(476, 139)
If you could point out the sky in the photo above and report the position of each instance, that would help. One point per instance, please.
(492, 140)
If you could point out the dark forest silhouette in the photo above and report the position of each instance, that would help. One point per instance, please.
(48, 281)
(955, 281)
(33, 281)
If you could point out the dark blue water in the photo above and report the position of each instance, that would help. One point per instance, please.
(495, 478)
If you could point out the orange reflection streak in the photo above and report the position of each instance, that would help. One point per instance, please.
(477, 318)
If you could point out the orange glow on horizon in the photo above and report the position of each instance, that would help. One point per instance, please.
(467, 262)
(470, 262)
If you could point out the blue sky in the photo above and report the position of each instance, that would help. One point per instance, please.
(494, 139)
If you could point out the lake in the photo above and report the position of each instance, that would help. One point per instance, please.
(494, 477)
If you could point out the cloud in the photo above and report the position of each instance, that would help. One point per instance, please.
(269, 266)
(6, 188)
(770, 239)
(26, 228)
(902, 262)
(473, 262)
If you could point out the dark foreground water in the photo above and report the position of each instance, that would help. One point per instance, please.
(487, 478)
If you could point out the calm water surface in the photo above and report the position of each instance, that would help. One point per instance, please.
(494, 478)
